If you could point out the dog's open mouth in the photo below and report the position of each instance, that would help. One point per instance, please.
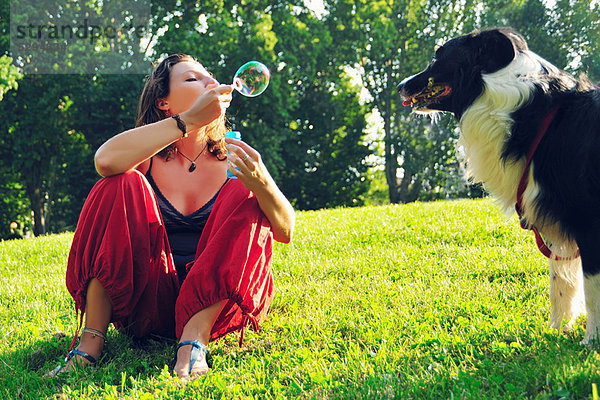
(427, 95)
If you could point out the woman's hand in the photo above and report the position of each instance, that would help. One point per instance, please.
(209, 106)
(255, 176)
(252, 172)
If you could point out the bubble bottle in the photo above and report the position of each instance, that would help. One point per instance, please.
(235, 135)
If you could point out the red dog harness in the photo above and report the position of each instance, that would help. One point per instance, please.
(523, 185)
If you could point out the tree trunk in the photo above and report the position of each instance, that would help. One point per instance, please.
(46, 201)
(33, 185)
(37, 206)
(409, 191)
(415, 190)
(390, 172)
(391, 161)
(404, 187)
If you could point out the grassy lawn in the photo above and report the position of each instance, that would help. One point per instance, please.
(430, 300)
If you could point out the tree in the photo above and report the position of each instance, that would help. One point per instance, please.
(393, 40)
(9, 75)
(13, 203)
(298, 124)
(103, 106)
(309, 125)
(36, 137)
(55, 121)
(326, 153)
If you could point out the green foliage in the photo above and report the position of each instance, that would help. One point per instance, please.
(378, 189)
(325, 151)
(424, 301)
(38, 141)
(577, 34)
(103, 106)
(4, 27)
(9, 75)
(393, 40)
(13, 203)
(79, 37)
(309, 124)
(54, 123)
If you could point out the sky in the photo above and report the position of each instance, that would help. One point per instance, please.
(316, 6)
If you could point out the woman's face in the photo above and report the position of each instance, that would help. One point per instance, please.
(188, 80)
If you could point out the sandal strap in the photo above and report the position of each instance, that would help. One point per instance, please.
(197, 347)
(196, 343)
(94, 332)
(80, 353)
(70, 355)
(55, 372)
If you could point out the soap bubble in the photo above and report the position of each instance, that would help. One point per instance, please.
(251, 79)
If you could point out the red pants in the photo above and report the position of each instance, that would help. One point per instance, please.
(121, 241)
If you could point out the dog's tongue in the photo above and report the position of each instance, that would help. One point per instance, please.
(407, 102)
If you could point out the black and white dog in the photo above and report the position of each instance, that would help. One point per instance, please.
(531, 133)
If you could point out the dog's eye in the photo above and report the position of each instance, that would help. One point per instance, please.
(433, 60)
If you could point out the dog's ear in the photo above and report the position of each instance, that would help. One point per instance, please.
(495, 50)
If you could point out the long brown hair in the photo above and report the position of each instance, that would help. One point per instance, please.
(157, 87)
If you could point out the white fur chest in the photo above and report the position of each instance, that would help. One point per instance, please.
(486, 127)
(483, 134)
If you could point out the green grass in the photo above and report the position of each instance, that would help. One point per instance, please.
(428, 300)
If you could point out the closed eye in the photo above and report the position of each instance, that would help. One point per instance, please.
(191, 79)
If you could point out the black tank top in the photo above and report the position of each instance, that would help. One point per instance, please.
(183, 231)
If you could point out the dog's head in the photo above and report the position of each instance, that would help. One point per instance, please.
(453, 79)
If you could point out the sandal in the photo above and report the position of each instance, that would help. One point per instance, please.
(197, 348)
(71, 354)
(77, 352)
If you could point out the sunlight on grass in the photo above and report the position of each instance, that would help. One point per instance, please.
(427, 300)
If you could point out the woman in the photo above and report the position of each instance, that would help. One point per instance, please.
(168, 178)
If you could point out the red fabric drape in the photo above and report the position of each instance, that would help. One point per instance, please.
(120, 240)
(233, 262)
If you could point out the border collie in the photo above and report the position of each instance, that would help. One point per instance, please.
(531, 134)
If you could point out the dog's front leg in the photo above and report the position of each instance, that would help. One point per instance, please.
(566, 293)
(590, 259)
(592, 305)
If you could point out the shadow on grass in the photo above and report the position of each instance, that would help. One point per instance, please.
(555, 367)
(22, 370)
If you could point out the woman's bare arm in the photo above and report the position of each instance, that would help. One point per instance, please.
(132, 147)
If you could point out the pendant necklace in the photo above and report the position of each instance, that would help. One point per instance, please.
(193, 165)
